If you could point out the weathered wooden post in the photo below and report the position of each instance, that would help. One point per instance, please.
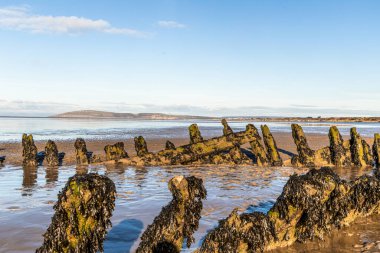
(178, 220)
(169, 145)
(29, 151)
(376, 150)
(340, 154)
(51, 154)
(270, 144)
(115, 152)
(259, 153)
(306, 155)
(227, 130)
(358, 150)
(81, 152)
(82, 215)
(195, 134)
(140, 146)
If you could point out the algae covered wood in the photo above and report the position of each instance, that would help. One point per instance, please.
(195, 134)
(29, 151)
(227, 130)
(376, 150)
(308, 208)
(178, 220)
(115, 151)
(81, 152)
(140, 146)
(51, 154)
(271, 146)
(194, 152)
(358, 151)
(258, 151)
(198, 153)
(169, 145)
(82, 215)
(340, 153)
(306, 156)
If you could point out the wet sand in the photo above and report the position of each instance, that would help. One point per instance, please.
(13, 151)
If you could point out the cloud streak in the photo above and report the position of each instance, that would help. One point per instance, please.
(170, 24)
(22, 19)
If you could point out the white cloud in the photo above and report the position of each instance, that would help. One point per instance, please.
(170, 24)
(21, 19)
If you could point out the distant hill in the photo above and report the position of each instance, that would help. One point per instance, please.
(161, 116)
(115, 115)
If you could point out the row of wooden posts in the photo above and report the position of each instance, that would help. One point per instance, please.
(353, 152)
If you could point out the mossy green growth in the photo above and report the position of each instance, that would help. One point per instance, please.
(115, 152)
(309, 207)
(81, 152)
(195, 134)
(376, 150)
(29, 151)
(178, 220)
(258, 151)
(340, 155)
(270, 144)
(82, 215)
(227, 130)
(306, 156)
(140, 146)
(51, 152)
(358, 152)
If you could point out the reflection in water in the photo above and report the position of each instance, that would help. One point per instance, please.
(29, 180)
(51, 175)
(140, 176)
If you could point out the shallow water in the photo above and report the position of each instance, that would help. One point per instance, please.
(105, 129)
(27, 197)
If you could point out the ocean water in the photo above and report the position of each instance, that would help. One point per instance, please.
(27, 197)
(11, 129)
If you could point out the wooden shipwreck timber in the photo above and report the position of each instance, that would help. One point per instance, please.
(226, 149)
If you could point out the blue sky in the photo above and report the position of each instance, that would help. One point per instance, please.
(292, 58)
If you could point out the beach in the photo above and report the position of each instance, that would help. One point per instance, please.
(27, 195)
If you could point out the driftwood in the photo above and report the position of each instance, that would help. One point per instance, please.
(178, 220)
(309, 207)
(82, 215)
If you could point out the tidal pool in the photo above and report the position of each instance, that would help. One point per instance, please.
(27, 197)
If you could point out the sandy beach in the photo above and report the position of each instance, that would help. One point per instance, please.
(285, 143)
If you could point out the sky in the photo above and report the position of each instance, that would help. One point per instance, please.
(215, 57)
